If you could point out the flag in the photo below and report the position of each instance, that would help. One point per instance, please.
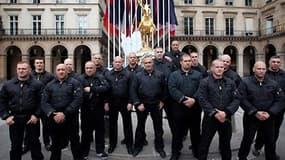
(127, 15)
(117, 16)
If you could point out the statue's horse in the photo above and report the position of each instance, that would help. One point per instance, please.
(146, 26)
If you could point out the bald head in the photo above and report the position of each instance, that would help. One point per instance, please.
(132, 58)
(61, 71)
(259, 70)
(69, 65)
(217, 68)
(226, 60)
(118, 63)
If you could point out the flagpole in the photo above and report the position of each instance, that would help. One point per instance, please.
(114, 27)
(163, 24)
(168, 25)
(119, 34)
(152, 15)
(157, 22)
(108, 32)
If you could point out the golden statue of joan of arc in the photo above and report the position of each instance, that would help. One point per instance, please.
(146, 26)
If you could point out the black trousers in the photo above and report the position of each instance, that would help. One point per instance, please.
(259, 141)
(62, 134)
(156, 116)
(250, 126)
(209, 127)
(168, 110)
(46, 130)
(186, 119)
(16, 132)
(92, 120)
(127, 124)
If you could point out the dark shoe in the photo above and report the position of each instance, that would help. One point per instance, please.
(136, 151)
(48, 147)
(174, 157)
(161, 153)
(25, 149)
(111, 149)
(145, 142)
(102, 155)
(123, 141)
(130, 150)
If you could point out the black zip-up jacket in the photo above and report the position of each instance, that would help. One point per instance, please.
(181, 84)
(20, 97)
(218, 94)
(261, 96)
(175, 57)
(120, 85)
(148, 88)
(99, 87)
(44, 76)
(233, 76)
(134, 70)
(164, 66)
(278, 76)
(200, 69)
(62, 96)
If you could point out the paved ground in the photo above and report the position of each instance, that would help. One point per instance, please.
(148, 152)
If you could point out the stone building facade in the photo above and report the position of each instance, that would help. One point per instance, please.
(247, 30)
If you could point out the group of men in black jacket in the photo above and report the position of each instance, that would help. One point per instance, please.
(174, 81)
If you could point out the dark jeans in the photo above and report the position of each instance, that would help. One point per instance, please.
(64, 132)
(186, 119)
(209, 127)
(16, 132)
(156, 116)
(92, 120)
(259, 141)
(250, 126)
(127, 124)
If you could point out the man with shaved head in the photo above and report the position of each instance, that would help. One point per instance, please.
(228, 71)
(119, 101)
(218, 98)
(95, 88)
(69, 68)
(261, 100)
(61, 100)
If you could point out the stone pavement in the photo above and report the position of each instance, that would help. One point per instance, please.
(148, 152)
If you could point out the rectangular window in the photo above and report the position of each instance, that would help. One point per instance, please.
(229, 26)
(229, 2)
(58, 1)
(13, 1)
(188, 25)
(269, 25)
(248, 3)
(209, 2)
(209, 26)
(59, 24)
(82, 1)
(249, 26)
(188, 1)
(36, 1)
(82, 24)
(37, 22)
(13, 25)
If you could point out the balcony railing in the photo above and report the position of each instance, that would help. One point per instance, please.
(273, 30)
(218, 33)
(55, 32)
